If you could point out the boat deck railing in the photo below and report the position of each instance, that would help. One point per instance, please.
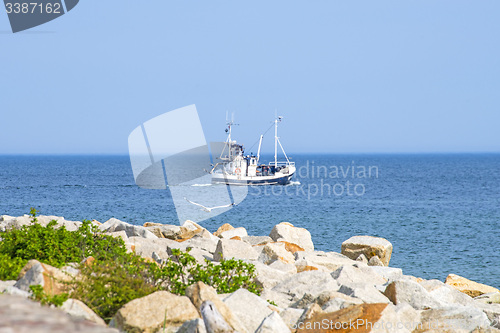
(282, 164)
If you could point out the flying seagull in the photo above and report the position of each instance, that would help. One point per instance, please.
(209, 209)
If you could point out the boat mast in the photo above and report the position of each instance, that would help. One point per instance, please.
(276, 139)
(260, 145)
(276, 142)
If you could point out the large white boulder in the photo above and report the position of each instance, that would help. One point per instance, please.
(273, 324)
(311, 282)
(78, 309)
(250, 309)
(230, 248)
(366, 292)
(407, 291)
(353, 276)
(446, 294)
(319, 260)
(455, 318)
(199, 293)
(276, 251)
(145, 247)
(151, 312)
(268, 277)
(287, 232)
(235, 232)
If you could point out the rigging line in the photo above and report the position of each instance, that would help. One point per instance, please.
(262, 135)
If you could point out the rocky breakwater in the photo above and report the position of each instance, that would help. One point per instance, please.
(302, 290)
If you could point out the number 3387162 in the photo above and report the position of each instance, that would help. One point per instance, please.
(33, 7)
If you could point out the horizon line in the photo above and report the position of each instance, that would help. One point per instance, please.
(271, 153)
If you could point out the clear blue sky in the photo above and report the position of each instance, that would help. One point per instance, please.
(349, 76)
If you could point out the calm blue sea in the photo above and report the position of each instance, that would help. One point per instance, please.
(441, 212)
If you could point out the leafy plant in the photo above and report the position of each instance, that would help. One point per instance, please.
(45, 299)
(54, 246)
(106, 285)
(114, 277)
(227, 276)
(10, 267)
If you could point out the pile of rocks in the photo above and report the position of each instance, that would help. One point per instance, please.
(303, 290)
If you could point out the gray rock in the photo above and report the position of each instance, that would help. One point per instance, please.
(5, 218)
(445, 294)
(329, 301)
(146, 246)
(492, 311)
(33, 276)
(283, 300)
(362, 258)
(369, 246)
(201, 255)
(11, 290)
(287, 232)
(375, 261)
(113, 225)
(388, 273)
(272, 252)
(311, 282)
(122, 234)
(151, 312)
(326, 261)
(407, 291)
(236, 232)
(18, 222)
(248, 307)
(5, 284)
(209, 245)
(229, 248)
(455, 319)
(337, 304)
(213, 320)
(193, 326)
(351, 276)
(407, 314)
(281, 266)
(199, 292)
(78, 309)
(273, 324)
(268, 277)
(257, 240)
(303, 265)
(290, 316)
(367, 293)
(489, 298)
(164, 230)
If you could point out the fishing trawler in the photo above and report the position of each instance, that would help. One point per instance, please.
(233, 167)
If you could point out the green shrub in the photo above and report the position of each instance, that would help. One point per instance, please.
(114, 277)
(54, 246)
(107, 284)
(10, 267)
(40, 296)
(227, 276)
